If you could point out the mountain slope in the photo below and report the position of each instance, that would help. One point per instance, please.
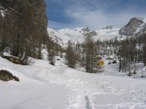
(135, 25)
(78, 34)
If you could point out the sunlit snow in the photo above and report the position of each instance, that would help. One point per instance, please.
(43, 86)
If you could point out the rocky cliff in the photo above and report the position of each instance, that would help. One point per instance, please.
(135, 25)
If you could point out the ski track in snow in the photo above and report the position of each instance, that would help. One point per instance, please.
(87, 93)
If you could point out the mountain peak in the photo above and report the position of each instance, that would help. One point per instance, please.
(131, 26)
(109, 27)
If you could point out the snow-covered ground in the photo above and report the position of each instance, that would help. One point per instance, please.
(43, 86)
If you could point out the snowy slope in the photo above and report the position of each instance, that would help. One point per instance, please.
(58, 37)
(34, 91)
(78, 34)
(43, 86)
(107, 34)
(73, 35)
(144, 19)
(142, 27)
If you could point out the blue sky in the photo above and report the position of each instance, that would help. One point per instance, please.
(95, 14)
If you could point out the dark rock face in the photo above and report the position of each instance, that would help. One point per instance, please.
(109, 27)
(92, 33)
(7, 3)
(86, 29)
(87, 32)
(7, 76)
(131, 27)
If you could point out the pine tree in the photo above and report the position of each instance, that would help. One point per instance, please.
(90, 52)
(71, 56)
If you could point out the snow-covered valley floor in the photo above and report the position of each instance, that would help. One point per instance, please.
(43, 86)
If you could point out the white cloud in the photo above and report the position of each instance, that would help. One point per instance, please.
(98, 13)
(96, 19)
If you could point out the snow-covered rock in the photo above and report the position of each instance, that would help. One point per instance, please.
(109, 27)
(134, 26)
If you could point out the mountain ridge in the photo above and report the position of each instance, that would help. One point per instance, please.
(78, 34)
(136, 25)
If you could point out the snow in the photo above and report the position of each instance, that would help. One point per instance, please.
(43, 86)
(144, 19)
(34, 90)
(61, 39)
(45, 54)
(2, 13)
(142, 26)
(78, 35)
(107, 34)
(72, 34)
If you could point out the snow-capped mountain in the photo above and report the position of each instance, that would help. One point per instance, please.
(75, 35)
(134, 26)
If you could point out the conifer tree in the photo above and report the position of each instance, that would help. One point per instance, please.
(71, 56)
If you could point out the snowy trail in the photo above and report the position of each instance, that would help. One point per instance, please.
(98, 94)
(81, 98)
